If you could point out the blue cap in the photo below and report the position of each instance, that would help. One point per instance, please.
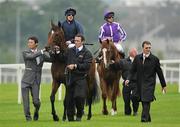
(70, 11)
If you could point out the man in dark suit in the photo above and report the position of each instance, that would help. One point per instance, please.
(31, 79)
(78, 59)
(146, 65)
(129, 91)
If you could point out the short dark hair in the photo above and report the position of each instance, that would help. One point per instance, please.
(33, 38)
(146, 42)
(81, 36)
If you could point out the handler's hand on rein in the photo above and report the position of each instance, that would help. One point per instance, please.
(57, 49)
(72, 66)
(127, 82)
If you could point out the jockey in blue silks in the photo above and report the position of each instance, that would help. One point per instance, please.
(113, 31)
(71, 27)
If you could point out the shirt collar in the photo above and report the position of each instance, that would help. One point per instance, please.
(131, 58)
(146, 55)
(34, 50)
(80, 48)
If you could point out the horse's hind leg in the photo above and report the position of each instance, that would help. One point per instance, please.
(113, 99)
(114, 107)
(55, 87)
(104, 111)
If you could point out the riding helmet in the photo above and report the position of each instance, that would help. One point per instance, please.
(108, 14)
(70, 11)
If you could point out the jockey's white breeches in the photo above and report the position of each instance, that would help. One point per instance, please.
(119, 47)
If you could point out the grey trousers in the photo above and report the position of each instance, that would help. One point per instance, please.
(34, 90)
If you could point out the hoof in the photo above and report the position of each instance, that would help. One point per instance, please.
(89, 117)
(55, 118)
(64, 118)
(105, 112)
(113, 112)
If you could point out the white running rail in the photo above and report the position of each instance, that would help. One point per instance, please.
(12, 73)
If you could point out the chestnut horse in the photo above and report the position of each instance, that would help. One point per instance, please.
(56, 38)
(109, 78)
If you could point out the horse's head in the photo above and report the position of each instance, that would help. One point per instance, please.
(109, 52)
(56, 37)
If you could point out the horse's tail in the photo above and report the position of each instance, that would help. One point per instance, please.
(94, 91)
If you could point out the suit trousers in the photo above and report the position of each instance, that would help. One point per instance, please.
(74, 102)
(79, 103)
(34, 90)
(127, 97)
(145, 116)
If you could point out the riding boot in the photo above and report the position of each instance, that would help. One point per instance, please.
(122, 54)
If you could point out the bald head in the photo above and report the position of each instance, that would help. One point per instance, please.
(133, 52)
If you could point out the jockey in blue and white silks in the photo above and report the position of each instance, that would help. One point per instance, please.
(71, 27)
(113, 31)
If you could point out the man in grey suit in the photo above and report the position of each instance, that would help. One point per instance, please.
(31, 79)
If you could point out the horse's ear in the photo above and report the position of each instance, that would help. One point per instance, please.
(52, 24)
(59, 23)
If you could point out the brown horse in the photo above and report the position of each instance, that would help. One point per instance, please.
(56, 38)
(109, 78)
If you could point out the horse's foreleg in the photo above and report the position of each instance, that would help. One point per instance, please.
(89, 110)
(104, 97)
(55, 87)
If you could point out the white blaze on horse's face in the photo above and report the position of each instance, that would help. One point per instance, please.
(52, 32)
(104, 50)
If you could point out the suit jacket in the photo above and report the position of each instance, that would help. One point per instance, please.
(76, 78)
(146, 76)
(124, 65)
(82, 59)
(33, 66)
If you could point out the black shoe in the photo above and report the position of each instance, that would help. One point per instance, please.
(70, 119)
(135, 114)
(36, 116)
(78, 119)
(126, 114)
(28, 119)
(145, 121)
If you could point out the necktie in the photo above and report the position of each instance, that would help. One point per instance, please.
(144, 57)
(77, 50)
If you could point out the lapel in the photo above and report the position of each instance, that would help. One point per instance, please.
(141, 58)
(40, 57)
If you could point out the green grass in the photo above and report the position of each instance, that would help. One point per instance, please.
(165, 112)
